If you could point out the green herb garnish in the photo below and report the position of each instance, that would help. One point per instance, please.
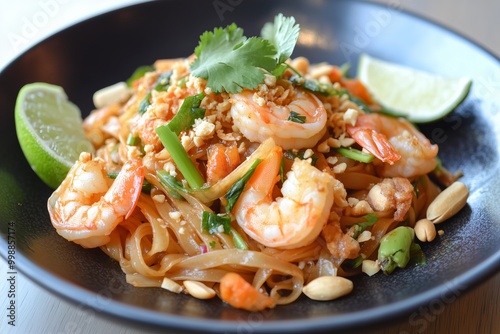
(139, 73)
(188, 112)
(283, 34)
(229, 61)
(353, 263)
(355, 154)
(370, 219)
(296, 117)
(133, 140)
(182, 160)
(162, 84)
(173, 186)
(237, 188)
(214, 223)
(238, 240)
(289, 154)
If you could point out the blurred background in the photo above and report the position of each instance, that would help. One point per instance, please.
(25, 22)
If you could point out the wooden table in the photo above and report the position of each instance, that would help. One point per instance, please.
(41, 312)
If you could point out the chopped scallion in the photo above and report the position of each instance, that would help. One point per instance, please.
(370, 219)
(173, 185)
(132, 140)
(290, 154)
(236, 189)
(172, 144)
(188, 112)
(214, 223)
(144, 104)
(353, 263)
(139, 73)
(296, 117)
(355, 154)
(238, 240)
(163, 82)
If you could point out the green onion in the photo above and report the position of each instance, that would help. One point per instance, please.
(355, 154)
(282, 170)
(370, 219)
(326, 89)
(289, 154)
(182, 82)
(238, 240)
(296, 117)
(132, 140)
(139, 73)
(188, 112)
(173, 185)
(353, 263)
(172, 144)
(163, 82)
(144, 104)
(236, 189)
(211, 222)
(315, 86)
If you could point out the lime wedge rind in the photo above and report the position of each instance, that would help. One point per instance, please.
(49, 131)
(420, 96)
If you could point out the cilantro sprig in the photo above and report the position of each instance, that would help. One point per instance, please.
(283, 34)
(230, 62)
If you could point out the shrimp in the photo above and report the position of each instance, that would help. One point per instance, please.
(405, 151)
(101, 124)
(259, 120)
(291, 221)
(240, 294)
(392, 194)
(85, 209)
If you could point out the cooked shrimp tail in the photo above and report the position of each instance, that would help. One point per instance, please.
(376, 143)
(405, 151)
(85, 209)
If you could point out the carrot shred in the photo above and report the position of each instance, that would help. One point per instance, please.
(335, 74)
(222, 160)
(238, 293)
(356, 88)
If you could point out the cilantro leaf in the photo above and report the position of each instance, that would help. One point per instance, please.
(230, 62)
(283, 33)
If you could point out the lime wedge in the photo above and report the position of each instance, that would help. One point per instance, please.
(420, 96)
(49, 130)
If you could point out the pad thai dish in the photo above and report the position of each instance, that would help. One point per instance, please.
(243, 173)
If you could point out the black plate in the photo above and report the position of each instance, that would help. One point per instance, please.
(107, 48)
